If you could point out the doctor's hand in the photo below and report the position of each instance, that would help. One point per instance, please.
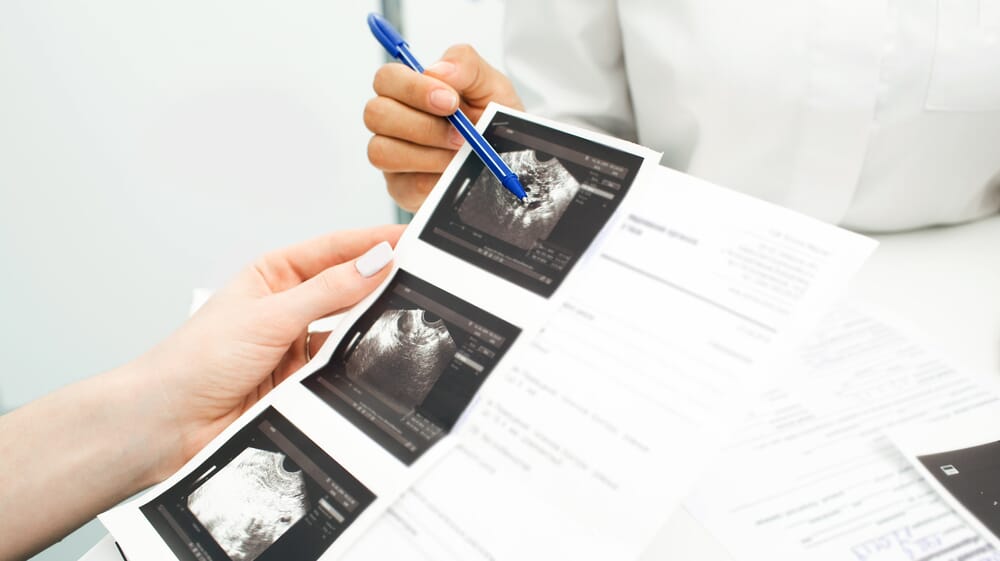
(413, 143)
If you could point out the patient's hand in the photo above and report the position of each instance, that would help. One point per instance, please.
(251, 335)
(84, 448)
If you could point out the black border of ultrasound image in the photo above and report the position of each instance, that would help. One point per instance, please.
(307, 539)
(977, 466)
(446, 231)
(450, 395)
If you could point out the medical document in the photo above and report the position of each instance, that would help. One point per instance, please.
(559, 370)
(812, 474)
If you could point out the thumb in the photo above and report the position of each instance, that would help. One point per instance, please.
(473, 78)
(337, 287)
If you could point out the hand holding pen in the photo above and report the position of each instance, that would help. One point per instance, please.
(412, 143)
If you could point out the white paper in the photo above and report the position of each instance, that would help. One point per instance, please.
(605, 420)
(960, 459)
(662, 301)
(811, 474)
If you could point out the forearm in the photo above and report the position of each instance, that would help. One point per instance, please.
(73, 454)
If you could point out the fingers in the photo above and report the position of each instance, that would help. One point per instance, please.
(385, 116)
(419, 91)
(412, 148)
(473, 78)
(288, 267)
(412, 144)
(395, 155)
(410, 189)
(334, 288)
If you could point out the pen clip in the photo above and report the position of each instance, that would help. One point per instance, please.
(386, 34)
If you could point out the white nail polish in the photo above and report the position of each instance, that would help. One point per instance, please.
(374, 259)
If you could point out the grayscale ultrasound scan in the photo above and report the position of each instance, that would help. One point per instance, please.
(573, 186)
(415, 342)
(268, 493)
(250, 503)
(411, 364)
(550, 188)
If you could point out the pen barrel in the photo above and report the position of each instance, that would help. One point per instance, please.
(404, 55)
(489, 157)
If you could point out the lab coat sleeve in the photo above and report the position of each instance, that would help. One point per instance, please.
(566, 60)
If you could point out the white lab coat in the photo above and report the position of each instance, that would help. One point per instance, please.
(876, 114)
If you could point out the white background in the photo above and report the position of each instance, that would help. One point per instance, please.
(150, 148)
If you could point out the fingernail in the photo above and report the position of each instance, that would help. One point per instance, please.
(441, 68)
(444, 100)
(374, 259)
(455, 138)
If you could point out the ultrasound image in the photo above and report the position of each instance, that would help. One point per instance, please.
(410, 365)
(268, 493)
(549, 186)
(573, 187)
(250, 503)
(401, 357)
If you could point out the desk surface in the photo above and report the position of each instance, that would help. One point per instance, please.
(944, 281)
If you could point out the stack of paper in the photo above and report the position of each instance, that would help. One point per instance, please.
(813, 474)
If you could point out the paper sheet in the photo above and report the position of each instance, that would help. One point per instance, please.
(960, 459)
(662, 298)
(605, 420)
(811, 474)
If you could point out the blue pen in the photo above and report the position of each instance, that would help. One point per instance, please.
(400, 50)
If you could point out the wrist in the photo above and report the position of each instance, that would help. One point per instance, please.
(75, 453)
(147, 435)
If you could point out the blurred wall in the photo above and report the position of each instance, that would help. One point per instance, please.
(149, 148)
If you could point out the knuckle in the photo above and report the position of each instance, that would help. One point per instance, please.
(410, 189)
(396, 82)
(462, 52)
(377, 151)
(400, 188)
(413, 89)
(265, 264)
(381, 78)
(374, 113)
(330, 282)
(425, 184)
